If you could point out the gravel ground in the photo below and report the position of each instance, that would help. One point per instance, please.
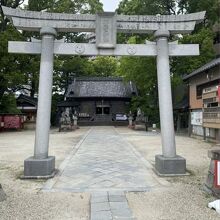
(185, 199)
(24, 198)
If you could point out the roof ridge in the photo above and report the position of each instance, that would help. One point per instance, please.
(203, 68)
(98, 78)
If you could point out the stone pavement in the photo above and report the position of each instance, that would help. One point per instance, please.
(106, 165)
(110, 205)
(103, 161)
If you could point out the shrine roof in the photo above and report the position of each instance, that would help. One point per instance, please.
(24, 98)
(113, 87)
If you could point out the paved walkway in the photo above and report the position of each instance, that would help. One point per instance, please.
(106, 165)
(103, 161)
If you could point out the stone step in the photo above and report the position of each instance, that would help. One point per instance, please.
(103, 118)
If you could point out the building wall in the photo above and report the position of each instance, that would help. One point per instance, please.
(201, 78)
(89, 107)
(197, 130)
(118, 107)
(196, 105)
(217, 49)
(218, 135)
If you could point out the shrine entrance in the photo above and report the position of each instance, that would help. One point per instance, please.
(102, 108)
(105, 25)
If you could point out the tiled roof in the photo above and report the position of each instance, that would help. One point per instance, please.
(100, 87)
(67, 104)
(27, 99)
(207, 66)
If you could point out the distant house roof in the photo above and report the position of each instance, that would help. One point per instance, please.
(26, 99)
(100, 87)
(207, 66)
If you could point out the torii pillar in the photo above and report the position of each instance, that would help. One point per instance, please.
(42, 165)
(168, 163)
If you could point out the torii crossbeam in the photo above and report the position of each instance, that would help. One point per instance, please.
(105, 25)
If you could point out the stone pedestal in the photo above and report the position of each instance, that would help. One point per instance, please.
(210, 186)
(75, 122)
(170, 166)
(39, 168)
(130, 121)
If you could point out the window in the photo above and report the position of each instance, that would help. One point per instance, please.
(199, 88)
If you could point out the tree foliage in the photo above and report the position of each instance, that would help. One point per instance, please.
(8, 104)
(185, 65)
(142, 70)
(8, 3)
(104, 66)
(147, 7)
(212, 8)
(67, 6)
(19, 72)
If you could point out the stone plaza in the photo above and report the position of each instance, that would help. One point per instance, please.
(102, 183)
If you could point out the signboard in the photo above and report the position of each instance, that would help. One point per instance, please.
(121, 117)
(217, 173)
(196, 118)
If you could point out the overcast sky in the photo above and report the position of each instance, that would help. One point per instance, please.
(110, 5)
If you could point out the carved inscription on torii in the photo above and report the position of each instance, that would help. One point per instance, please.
(106, 30)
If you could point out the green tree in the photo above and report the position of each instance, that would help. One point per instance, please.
(185, 65)
(67, 66)
(13, 4)
(147, 7)
(8, 104)
(104, 66)
(142, 71)
(212, 8)
(67, 6)
(203, 35)
(18, 71)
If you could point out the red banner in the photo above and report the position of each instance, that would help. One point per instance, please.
(12, 122)
(217, 174)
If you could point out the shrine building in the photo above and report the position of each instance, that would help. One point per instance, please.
(99, 100)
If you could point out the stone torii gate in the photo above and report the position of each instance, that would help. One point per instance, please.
(105, 25)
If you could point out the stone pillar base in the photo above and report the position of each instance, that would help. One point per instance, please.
(170, 166)
(210, 185)
(39, 168)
